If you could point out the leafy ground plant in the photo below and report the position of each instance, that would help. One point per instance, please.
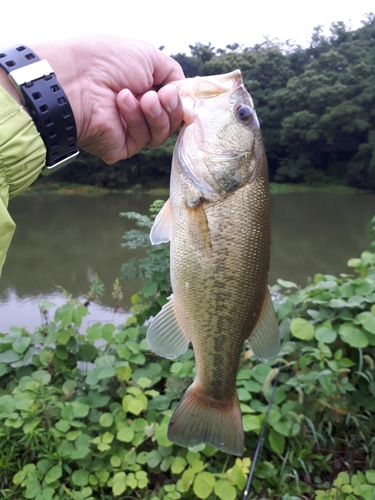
(84, 413)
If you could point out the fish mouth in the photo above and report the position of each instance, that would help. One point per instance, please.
(204, 87)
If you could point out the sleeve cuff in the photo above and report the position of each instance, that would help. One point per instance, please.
(22, 156)
(22, 150)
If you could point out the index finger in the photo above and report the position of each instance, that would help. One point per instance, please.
(167, 70)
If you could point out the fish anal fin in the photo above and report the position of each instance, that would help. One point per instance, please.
(162, 227)
(165, 335)
(200, 419)
(265, 338)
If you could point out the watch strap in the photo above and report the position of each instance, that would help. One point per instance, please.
(46, 102)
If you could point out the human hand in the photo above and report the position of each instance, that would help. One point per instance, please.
(114, 88)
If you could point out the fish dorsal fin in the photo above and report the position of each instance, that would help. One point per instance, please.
(165, 336)
(162, 227)
(265, 338)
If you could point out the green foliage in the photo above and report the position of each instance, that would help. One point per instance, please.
(315, 107)
(153, 269)
(84, 415)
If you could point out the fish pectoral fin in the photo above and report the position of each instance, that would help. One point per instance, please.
(165, 335)
(265, 338)
(199, 231)
(162, 227)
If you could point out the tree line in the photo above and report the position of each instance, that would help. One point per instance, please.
(316, 106)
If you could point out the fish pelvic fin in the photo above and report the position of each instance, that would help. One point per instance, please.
(201, 419)
(165, 335)
(265, 338)
(162, 227)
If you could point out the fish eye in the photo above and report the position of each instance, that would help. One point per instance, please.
(244, 113)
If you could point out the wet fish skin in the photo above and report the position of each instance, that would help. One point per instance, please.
(217, 220)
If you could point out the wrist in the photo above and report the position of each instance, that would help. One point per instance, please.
(9, 87)
(61, 55)
(46, 102)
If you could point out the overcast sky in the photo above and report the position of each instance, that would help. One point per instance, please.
(177, 23)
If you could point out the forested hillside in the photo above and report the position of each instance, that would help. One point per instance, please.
(316, 107)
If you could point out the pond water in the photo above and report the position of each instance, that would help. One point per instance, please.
(62, 241)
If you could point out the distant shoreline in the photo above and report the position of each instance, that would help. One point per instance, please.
(87, 190)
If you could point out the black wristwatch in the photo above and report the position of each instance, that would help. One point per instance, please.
(46, 102)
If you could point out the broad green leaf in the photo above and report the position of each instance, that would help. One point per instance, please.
(353, 262)
(370, 476)
(19, 477)
(187, 478)
(69, 387)
(259, 372)
(72, 435)
(119, 483)
(94, 332)
(80, 410)
(204, 483)
(80, 477)
(251, 423)
(42, 376)
(106, 420)
(342, 478)
(237, 476)
(197, 465)
(62, 425)
(302, 329)
(224, 490)
(154, 458)
(124, 373)
(64, 335)
(30, 425)
(326, 335)
(134, 405)
(367, 320)
(286, 284)
(161, 433)
(53, 474)
(363, 287)
(144, 382)
(352, 335)
(178, 465)
(79, 313)
(20, 345)
(87, 352)
(7, 404)
(9, 357)
(125, 434)
(277, 441)
(33, 487)
(337, 303)
(116, 461)
(107, 372)
(150, 288)
(107, 331)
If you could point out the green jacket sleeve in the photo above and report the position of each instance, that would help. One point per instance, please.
(22, 156)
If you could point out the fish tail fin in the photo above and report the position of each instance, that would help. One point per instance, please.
(200, 419)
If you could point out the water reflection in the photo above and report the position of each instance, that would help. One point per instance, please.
(64, 240)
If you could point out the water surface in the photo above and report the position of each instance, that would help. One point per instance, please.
(64, 240)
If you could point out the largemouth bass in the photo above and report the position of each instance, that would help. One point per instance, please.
(217, 222)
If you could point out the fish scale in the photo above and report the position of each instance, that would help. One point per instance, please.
(217, 221)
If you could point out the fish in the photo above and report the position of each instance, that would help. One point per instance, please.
(218, 224)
